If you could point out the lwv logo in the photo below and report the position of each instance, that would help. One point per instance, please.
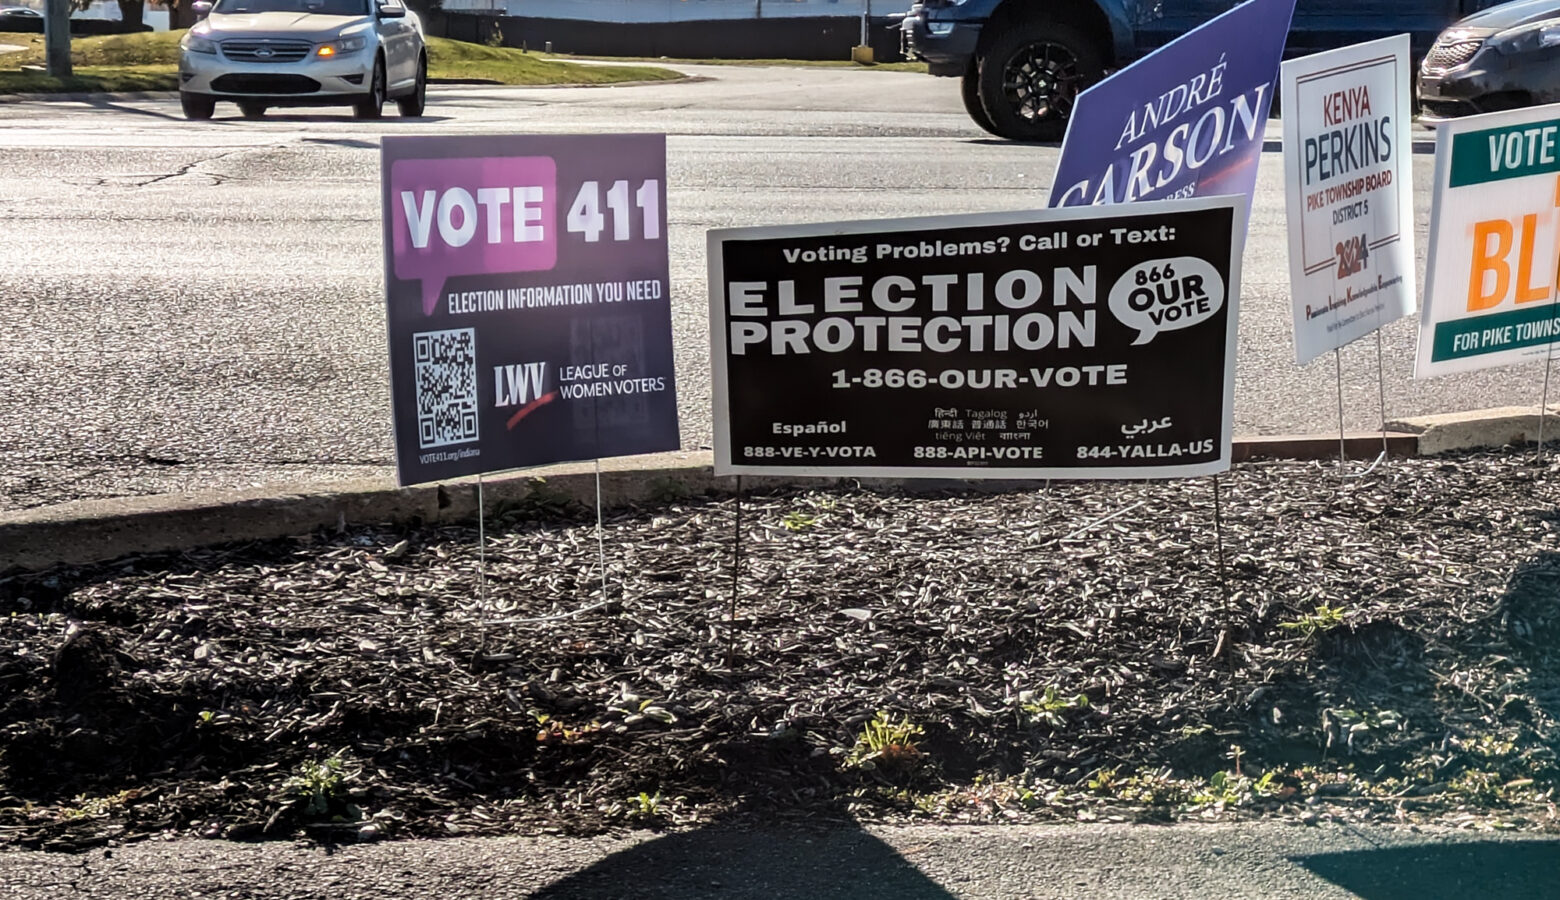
(521, 385)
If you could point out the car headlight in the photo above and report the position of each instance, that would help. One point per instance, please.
(339, 47)
(195, 43)
(1528, 38)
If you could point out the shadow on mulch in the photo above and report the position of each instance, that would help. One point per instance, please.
(1529, 614)
(1505, 869)
(767, 864)
(1381, 646)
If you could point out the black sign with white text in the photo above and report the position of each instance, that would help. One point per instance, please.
(1076, 343)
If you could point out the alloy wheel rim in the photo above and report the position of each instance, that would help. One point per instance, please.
(1041, 81)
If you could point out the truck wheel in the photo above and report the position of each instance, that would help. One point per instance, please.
(969, 86)
(1031, 76)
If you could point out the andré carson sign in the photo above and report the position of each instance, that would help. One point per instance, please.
(528, 300)
(1091, 343)
(1186, 120)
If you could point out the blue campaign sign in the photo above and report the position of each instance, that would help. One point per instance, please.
(1185, 120)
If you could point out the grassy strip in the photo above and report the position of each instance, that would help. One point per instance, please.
(805, 63)
(91, 80)
(149, 62)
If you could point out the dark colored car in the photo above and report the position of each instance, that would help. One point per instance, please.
(1505, 57)
(1022, 62)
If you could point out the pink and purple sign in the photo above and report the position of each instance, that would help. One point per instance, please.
(529, 301)
(470, 217)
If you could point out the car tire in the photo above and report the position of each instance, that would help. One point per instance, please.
(253, 110)
(1031, 76)
(197, 106)
(372, 106)
(969, 88)
(414, 103)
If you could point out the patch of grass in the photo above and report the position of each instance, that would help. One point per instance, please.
(320, 788)
(91, 80)
(803, 63)
(149, 62)
(1048, 708)
(98, 807)
(506, 65)
(885, 743)
(1324, 619)
(796, 520)
(148, 48)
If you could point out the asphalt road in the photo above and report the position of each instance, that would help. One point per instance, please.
(1273, 861)
(199, 305)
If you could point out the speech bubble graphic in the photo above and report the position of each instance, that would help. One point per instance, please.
(1166, 295)
(474, 216)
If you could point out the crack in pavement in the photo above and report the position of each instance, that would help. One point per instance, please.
(144, 181)
(187, 169)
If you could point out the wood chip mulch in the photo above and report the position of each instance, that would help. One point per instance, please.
(1377, 648)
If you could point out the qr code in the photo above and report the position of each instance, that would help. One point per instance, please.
(446, 365)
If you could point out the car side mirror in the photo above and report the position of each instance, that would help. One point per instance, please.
(202, 9)
(392, 12)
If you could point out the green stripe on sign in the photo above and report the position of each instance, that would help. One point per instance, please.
(1501, 153)
(1491, 334)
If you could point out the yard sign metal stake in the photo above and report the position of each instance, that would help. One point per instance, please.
(1381, 389)
(1338, 372)
(482, 609)
(736, 580)
(1224, 584)
(601, 540)
(1549, 354)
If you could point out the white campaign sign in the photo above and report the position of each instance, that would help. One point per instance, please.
(1349, 190)
(1494, 227)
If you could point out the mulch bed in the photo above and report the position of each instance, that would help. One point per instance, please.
(1377, 648)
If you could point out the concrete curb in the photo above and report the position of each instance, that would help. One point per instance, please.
(92, 531)
(1496, 427)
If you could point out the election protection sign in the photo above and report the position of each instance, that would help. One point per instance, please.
(1494, 225)
(1186, 120)
(1349, 189)
(529, 304)
(1051, 344)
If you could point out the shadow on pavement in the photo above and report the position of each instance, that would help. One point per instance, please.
(1510, 870)
(771, 863)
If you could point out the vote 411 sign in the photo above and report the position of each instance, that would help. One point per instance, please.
(528, 297)
(1494, 227)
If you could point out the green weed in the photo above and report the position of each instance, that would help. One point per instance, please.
(797, 521)
(320, 787)
(1048, 707)
(884, 742)
(1324, 619)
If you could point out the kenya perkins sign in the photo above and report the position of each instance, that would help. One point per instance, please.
(1350, 198)
(1494, 228)
(1061, 344)
(528, 301)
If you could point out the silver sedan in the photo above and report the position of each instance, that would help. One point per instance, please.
(265, 53)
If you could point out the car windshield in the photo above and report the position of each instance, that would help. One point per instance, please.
(322, 7)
